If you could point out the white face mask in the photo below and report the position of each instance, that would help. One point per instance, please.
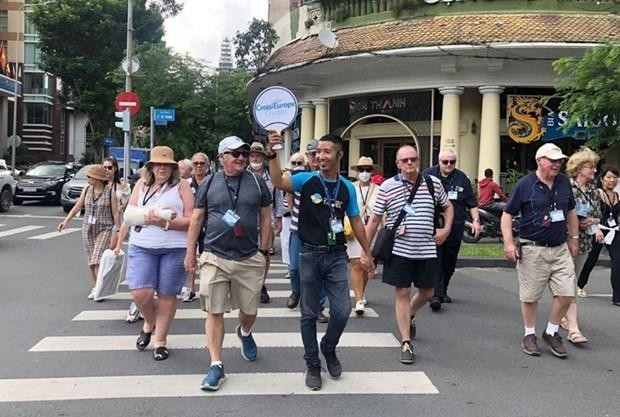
(256, 165)
(299, 168)
(364, 176)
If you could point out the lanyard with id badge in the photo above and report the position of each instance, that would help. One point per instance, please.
(91, 218)
(231, 218)
(555, 215)
(335, 224)
(408, 207)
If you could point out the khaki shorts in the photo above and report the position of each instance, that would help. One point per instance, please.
(227, 285)
(542, 266)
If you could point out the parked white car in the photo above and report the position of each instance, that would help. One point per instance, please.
(7, 187)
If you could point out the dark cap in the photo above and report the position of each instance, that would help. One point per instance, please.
(312, 146)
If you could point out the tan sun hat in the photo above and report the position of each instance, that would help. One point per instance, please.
(97, 172)
(162, 155)
(257, 147)
(364, 161)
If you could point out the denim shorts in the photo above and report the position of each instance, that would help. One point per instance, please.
(161, 269)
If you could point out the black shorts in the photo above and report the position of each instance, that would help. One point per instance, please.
(402, 272)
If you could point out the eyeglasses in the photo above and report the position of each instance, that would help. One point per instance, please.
(367, 169)
(199, 163)
(449, 162)
(412, 160)
(297, 163)
(108, 167)
(237, 154)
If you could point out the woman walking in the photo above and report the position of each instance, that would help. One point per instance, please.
(157, 248)
(100, 217)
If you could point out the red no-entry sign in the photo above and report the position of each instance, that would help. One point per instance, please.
(127, 101)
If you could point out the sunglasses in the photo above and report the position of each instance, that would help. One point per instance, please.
(108, 167)
(199, 163)
(237, 154)
(413, 160)
(449, 162)
(297, 163)
(364, 170)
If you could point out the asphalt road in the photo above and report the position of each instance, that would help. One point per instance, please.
(468, 354)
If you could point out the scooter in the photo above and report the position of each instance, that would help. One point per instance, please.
(489, 226)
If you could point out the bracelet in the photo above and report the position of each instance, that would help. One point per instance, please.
(476, 220)
(576, 237)
(271, 155)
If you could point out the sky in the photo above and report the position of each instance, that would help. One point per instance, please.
(199, 29)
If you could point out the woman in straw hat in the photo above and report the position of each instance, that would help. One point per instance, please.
(100, 216)
(366, 192)
(157, 248)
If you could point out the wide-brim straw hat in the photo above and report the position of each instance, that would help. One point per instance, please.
(97, 172)
(257, 147)
(365, 161)
(162, 155)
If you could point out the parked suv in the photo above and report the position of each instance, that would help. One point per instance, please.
(7, 187)
(43, 182)
(73, 188)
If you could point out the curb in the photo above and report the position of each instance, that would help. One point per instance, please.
(471, 262)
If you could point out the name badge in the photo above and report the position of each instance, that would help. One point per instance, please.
(453, 195)
(92, 220)
(336, 226)
(409, 209)
(230, 218)
(557, 216)
(591, 230)
(583, 210)
(611, 222)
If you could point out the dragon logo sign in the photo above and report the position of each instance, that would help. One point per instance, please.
(525, 118)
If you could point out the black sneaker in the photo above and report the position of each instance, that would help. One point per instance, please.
(447, 299)
(313, 378)
(264, 295)
(435, 303)
(322, 318)
(412, 327)
(293, 301)
(334, 367)
(555, 345)
(406, 353)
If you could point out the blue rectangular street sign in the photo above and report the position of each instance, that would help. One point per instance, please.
(164, 115)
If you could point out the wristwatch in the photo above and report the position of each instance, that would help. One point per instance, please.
(576, 237)
(271, 155)
(476, 220)
(264, 252)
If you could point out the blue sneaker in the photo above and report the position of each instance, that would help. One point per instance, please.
(213, 379)
(249, 351)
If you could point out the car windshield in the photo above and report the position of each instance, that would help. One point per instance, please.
(81, 174)
(47, 171)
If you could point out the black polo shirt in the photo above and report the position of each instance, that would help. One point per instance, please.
(535, 201)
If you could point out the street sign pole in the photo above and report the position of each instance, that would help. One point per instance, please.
(152, 130)
(127, 135)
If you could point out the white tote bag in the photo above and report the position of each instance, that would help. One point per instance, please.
(110, 274)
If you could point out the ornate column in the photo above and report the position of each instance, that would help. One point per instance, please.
(489, 131)
(320, 118)
(307, 125)
(451, 117)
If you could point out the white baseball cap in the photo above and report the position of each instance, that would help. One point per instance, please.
(550, 151)
(231, 143)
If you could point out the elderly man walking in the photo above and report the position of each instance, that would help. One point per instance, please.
(545, 201)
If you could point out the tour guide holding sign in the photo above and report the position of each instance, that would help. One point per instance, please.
(325, 198)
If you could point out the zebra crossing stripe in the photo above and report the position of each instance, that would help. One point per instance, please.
(52, 235)
(170, 386)
(18, 230)
(269, 281)
(272, 294)
(194, 313)
(198, 341)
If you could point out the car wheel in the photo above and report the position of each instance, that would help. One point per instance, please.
(17, 201)
(5, 200)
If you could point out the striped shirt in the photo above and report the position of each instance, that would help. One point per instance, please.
(417, 240)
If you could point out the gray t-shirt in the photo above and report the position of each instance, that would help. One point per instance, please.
(217, 195)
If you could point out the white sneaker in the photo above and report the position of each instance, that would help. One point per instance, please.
(360, 307)
(91, 296)
(185, 293)
(133, 315)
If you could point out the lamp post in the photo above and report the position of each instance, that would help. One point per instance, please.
(23, 29)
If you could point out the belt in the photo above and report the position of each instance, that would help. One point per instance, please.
(323, 248)
(540, 244)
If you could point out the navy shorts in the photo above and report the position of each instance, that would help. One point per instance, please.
(402, 272)
(161, 269)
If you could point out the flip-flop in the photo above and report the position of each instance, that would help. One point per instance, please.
(161, 353)
(143, 340)
(576, 338)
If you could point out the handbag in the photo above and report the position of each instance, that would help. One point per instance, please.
(384, 245)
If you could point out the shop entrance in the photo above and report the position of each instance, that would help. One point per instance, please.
(383, 151)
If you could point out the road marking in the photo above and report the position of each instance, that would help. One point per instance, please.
(52, 235)
(17, 230)
(195, 314)
(278, 271)
(272, 294)
(269, 281)
(199, 341)
(32, 216)
(600, 295)
(170, 386)
(2, 225)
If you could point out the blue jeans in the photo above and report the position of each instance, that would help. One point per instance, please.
(294, 246)
(327, 270)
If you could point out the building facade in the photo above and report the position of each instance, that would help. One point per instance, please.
(472, 75)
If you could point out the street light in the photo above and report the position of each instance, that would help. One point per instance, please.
(23, 23)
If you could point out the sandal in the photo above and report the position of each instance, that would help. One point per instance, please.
(161, 353)
(576, 338)
(143, 340)
(564, 323)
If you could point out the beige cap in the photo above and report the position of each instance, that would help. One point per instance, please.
(364, 161)
(550, 151)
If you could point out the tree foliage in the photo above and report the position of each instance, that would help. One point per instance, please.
(590, 89)
(252, 47)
